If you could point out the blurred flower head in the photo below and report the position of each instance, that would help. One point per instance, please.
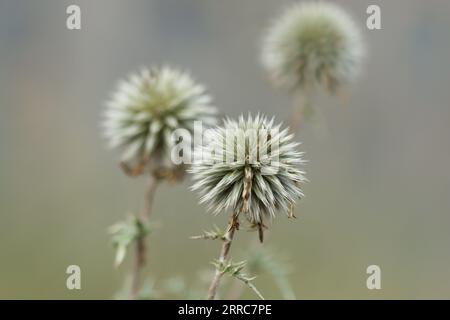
(258, 184)
(145, 109)
(312, 43)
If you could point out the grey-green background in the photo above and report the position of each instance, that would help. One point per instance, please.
(379, 159)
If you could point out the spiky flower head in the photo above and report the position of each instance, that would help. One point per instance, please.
(145, 110)
(249, 166)
(313, 43)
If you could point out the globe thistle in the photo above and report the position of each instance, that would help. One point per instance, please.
(145, 110)
(313, 43)
(235, 174)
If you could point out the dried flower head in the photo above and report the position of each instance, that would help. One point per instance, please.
(313, 43)
(249, 166)
(145, 110)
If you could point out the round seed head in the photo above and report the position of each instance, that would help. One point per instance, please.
(146, 108)
(249, 166)
(313, 43)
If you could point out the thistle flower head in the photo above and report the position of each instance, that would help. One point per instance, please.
(145, 110)
(313, 43)
(249, 166)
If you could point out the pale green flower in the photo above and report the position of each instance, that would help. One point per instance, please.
(313, 43)
(258, 186)
(145, 110)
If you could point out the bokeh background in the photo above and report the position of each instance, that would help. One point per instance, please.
(379, 158)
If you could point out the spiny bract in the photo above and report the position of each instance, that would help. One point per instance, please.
(145, 110)
(313, 43)
(273, 177)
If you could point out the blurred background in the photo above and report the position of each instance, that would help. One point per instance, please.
(378, 159)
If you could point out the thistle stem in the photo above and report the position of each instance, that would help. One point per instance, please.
(140, 248)
(297, 113)
(301, 108)
(229, 235)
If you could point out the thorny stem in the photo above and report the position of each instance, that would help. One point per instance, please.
(252, 286)
(233, 225)
(140, 249)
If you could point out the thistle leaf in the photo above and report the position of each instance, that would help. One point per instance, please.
(215, 234)
(235, 269)
(125, 233)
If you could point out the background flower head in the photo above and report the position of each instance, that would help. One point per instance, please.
(257, 186)
(313, 43)
(147, 107)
